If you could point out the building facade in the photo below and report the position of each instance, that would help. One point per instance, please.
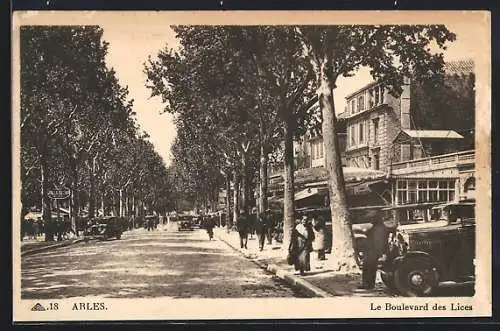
(384, 133)
(383, 128)
(373, 119)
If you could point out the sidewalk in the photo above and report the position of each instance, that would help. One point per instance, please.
(321, 281)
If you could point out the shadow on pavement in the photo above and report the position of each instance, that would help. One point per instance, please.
(178, 266)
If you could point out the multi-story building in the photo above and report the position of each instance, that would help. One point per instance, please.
(384, 133)
(381, 127)
(310, 150)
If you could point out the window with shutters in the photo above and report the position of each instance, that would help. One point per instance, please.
(361, 103)
(376, 161)
(317, 149)
(381, 93)
(361, 133)
(353, 136)
(405, 152)
(375, 130)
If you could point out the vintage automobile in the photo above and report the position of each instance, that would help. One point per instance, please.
(151, 222)
(425, 251)
(185, 222)
(104, 228)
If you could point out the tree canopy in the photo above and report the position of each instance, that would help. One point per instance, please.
(78, 127)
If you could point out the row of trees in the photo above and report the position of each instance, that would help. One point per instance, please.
(78, 129)
(240, 93)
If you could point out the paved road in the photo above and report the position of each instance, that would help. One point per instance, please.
(148, 264)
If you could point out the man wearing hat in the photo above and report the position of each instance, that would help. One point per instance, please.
(242, 226)
(376, 247)
(260, 226)
(268, 225)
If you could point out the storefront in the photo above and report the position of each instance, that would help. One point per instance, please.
(364, 188)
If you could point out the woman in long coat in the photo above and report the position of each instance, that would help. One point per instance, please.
(301, 245)
(319, 234)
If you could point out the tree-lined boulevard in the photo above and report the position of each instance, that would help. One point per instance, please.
(242, 94)
(239, 96)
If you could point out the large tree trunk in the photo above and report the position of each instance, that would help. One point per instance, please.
(114, 205)
(46, 208)
(289, 198)
(102, 204)
(72, 209)
(229, 206)
(236, 198)
(263, 178)
(75, 202)
(244, 183)
(92, 197)
(24, 212)
(343, 258)
(127, 209)
(121, 203)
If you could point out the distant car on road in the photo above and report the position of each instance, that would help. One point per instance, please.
(104, 228)
(185, 222)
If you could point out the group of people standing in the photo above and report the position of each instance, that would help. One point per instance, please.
(260, 223)
(307, 236)
(33, 229)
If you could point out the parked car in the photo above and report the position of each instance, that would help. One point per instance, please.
(421, 255)
(151, 222)
(104, 228)
(185, 222)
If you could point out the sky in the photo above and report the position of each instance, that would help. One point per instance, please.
(131, 42)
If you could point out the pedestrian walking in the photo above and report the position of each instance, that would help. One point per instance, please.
(242, 226)
(376, 247)
(301, 246)
(260, 229)
(269, 225)
(40, 226)
(29, 229)
(209, 223)
(59, 229)
(252, 222)
(319, 244)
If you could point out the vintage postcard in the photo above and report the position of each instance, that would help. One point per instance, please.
(251, 165)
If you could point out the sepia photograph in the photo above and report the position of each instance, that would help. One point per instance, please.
(210, 165)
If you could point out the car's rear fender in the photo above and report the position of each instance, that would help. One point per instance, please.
(415, 255)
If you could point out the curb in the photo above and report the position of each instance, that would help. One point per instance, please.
(46, 248)
(288, 278)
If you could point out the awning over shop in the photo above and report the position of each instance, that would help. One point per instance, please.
(318, 175)
(309, 192)
(432, 134)
(34, 215)
(429, 136)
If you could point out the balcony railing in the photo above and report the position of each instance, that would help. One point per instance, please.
(453, 158)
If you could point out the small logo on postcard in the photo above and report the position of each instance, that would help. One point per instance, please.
(38, 307)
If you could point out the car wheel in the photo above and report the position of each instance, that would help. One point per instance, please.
(416, 277)
(118, 236)
(388, 280)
